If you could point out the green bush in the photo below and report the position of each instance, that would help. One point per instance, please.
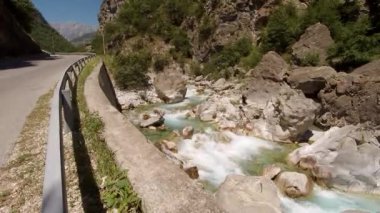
(181, 43)
(206, 29)
(195, 68)
(229, 56)
(130, 71)
(252, 59)
(23, 11)
(160, 62)
(283, 29)
(310, 59)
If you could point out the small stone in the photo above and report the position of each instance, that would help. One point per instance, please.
(188, 132)
(146, 116)
(192, 172)
(169, 145)
(152, 128)
(307, 162)
(271, 171)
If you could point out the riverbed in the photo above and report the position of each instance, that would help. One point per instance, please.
(218, 153)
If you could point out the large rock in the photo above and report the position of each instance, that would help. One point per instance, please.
(218, 108)
(248, 194)
(294, 184)
(170, 85)
(316, 40)
(346, 158)
(310, 79)
(286, 113)
(370, 69)
(272, 66)
(350, 99)
(152, 121)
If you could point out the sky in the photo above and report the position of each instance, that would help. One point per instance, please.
(64, 11)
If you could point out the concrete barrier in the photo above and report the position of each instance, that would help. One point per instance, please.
(161, 184)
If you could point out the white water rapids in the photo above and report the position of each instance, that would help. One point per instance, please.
(218, 154)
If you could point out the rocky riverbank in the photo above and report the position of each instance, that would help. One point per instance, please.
(201, 124)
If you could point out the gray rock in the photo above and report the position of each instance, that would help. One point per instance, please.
(294, 184)
(170, 85)
(272, 66)
(152, 121)
(340, 162)
(310, 79)
(316, 40)
(248, 194)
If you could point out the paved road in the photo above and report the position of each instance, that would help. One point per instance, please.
(22, 82)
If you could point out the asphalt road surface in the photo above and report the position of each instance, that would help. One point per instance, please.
(22, 82)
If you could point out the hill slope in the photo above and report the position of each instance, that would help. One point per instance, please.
(40, 30)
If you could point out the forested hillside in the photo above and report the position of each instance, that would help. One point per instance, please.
(39, 29)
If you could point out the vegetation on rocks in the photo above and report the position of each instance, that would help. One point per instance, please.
(356, 37)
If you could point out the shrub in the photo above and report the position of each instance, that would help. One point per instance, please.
(310, 59)
(283, 29)
(195, 68)
(181, 42)
(252, 59)
(160, 62)
(130, 71)
(229, 56)
(206, 29)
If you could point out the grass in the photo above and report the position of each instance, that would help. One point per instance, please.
(116, 192)
(21, 179)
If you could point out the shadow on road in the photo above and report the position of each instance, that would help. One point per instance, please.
(91, 200)
(26, 61)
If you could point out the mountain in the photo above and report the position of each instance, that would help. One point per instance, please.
(84, 39)
(73, 30)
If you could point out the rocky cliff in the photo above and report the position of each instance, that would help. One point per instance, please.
(108, 11)
(14, 41)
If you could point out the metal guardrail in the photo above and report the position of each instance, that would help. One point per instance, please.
(54, 190)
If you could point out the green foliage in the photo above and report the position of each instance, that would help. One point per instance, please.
(160, 62)
(206, 29)
(229, 56)
(181, 43)
(252, 59)
(374, 14)
(49, 39)
(23, 12)
(130, 71)
(117, 191)
(311, 59)
(119, 194)
(97, 44)
(283, 29)
(195, 68)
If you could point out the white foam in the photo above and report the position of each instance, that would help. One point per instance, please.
(217, 159)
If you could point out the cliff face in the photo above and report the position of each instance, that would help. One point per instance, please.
(108, 11)
(14, 41)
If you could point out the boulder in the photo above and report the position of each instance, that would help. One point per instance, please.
(370, 69)
(310, 80)
(219, 108)
(350, 99)
(221, 84)
(316, 40)
(271, 171)
(343, 160)
(248, 194)
(187, 132)
(272, 66)
(286, 116)
(170, 85)
(294, 184)
(154, 121)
